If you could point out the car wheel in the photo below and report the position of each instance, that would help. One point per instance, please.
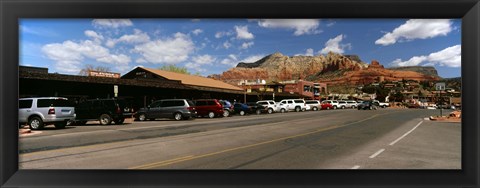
(119, 121)
(142, 117)
(211, 114)
(297, 109)
(353, 107)
(60, 125)
(270, 110)
(242, 113)
(371, 108)
(105, 119)
(282, 110)
(334, 107)
(177, 116)
(343, 107)
(258, 112)
(35, 123)
(226, 113)
(315, 108)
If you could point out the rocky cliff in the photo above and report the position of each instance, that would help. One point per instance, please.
(332, 68)
(277, 67)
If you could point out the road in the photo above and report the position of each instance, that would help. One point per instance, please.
(334, 139)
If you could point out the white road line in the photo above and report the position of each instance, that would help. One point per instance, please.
(398, 139)
(356, 167)
(377, 153)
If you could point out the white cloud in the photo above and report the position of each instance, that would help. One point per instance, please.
(231, 60)
(197, 31)
(112, 23)
(243, 33)
(309, 52)
(334, 45)
(204, 59)
(253, 58)
(301, 26)
(68, 56)
(94, 35)
(199, 62)
(137, 37)
(246, 45)
(227, 45)
(141, 61)
(170, 50)
(450, 57)
(221, 34)
(416, 29)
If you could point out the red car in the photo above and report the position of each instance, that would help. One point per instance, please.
(326, 105)
(209, 107)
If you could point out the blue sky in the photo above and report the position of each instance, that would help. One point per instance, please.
(211, 46)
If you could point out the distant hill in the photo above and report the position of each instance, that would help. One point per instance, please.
(427, 70)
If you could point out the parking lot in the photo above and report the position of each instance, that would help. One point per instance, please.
(324, 139)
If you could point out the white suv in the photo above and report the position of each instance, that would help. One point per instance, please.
(352, 104)
(270, 105)
(314, 104)
(45, 110)
(334, 103)
(291, 105)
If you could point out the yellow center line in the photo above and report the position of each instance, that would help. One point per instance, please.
(147, 166)
(188, 158)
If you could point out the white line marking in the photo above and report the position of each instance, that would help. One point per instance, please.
(356, 167)
(398, 139)
(377, 153)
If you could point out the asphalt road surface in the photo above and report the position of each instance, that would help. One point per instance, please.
(333, 139)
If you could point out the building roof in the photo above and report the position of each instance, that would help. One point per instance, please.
(192, 80)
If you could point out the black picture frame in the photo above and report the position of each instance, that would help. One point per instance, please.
(12, 10)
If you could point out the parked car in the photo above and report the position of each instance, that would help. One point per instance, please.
(351, 104)
(334, 103)
(368, 105)
(177, 109)
(227, 108)
(382, 104)
(326, 105)
(242, 109)
(38, 112)
(103, 110)
(209, 107)
(296, 105)
(269, 104)
(257, 108)
(282, 107)
(313, 104)
(342, 104)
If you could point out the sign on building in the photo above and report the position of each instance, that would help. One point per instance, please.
(440, 86)
(103, 74)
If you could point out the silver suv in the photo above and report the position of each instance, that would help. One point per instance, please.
(177, 109)
(38, 112)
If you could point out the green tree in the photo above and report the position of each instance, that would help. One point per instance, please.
(173, 68)
(87, 68)
(369, 89)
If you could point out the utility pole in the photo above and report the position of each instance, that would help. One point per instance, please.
(440, 87)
